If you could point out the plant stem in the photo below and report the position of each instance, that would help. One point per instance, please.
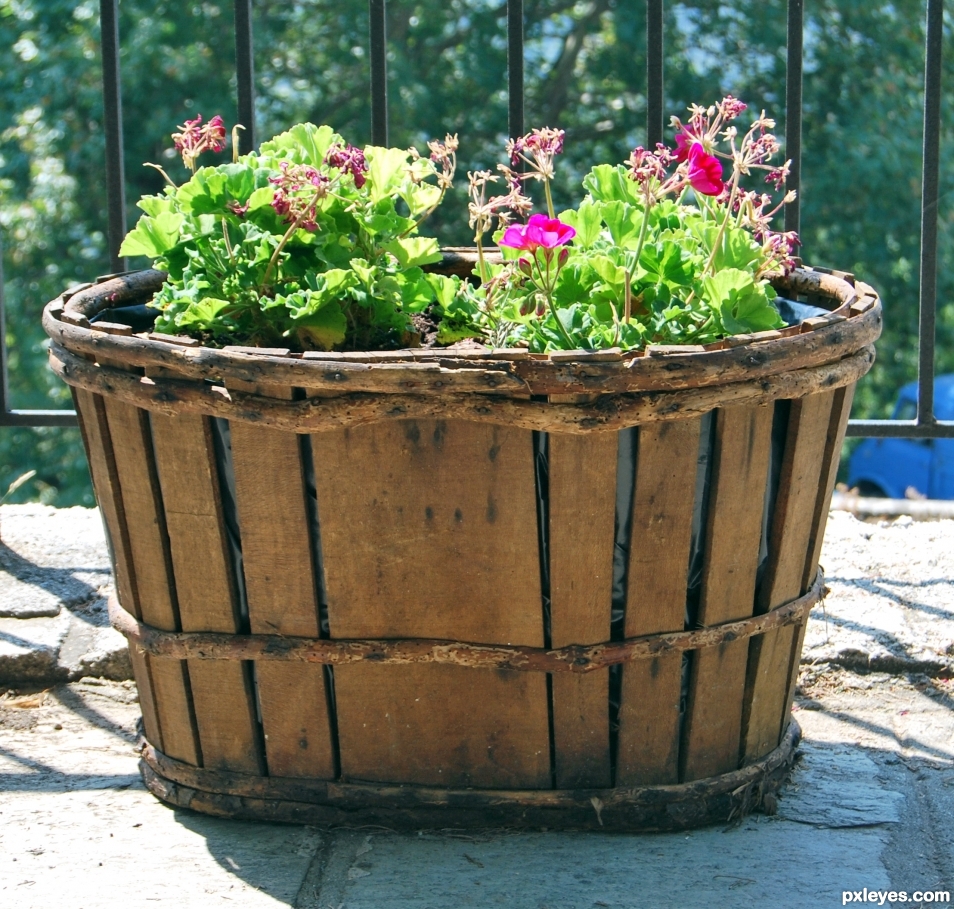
(628, 292)
(281, 245)
(546, 189)
(722, 227)
(480, 258)
(548, 294)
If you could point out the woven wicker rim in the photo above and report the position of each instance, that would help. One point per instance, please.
(853, 322)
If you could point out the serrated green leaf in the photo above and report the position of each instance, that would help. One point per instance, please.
(323, 330)
(609, 183)
(304, 143)
(415, 290)
(624, 222)
(155, 205)
(587, 221)
(411, 251)
(420, 197)
(261, 197)
(153, 236)
(387, 168)
(742, 303)
(445, 289)
(202, 315)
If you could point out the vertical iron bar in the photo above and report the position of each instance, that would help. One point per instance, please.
(793, 108)
(113, 114)
(4, 377)
(379, 72)
(515, 118)
(654, 72)
(245, 74)
(931, 157)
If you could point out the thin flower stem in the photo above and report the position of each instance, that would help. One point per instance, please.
(643, 229)
(228, 245)
(281, 245)
(548, 295)
(481, 267)
(628, 291)
(722, 227)
(166, 177)
(546, 189)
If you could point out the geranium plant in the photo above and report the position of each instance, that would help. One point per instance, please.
(310, 242)
(314, 243)
(668, 248)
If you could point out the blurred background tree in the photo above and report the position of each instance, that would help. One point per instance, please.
(585, 70)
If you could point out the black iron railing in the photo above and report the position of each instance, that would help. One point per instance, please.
(924, 426)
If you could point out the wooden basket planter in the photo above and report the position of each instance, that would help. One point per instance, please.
(355, 590)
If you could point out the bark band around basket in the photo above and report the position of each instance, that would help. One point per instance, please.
(465, 586)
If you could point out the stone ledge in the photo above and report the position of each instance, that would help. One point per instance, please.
(54, 580)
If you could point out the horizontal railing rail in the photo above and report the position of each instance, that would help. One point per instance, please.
(925, 426)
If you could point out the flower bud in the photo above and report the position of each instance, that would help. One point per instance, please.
(526, 306)
(564, 255)
(541, 307)
(525, 267)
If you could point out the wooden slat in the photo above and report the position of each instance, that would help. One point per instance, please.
(582, 498)
(281, 589)
(740, 460)
(102, 468)
(840, 412)
(666, 459)
(132, 444)
(429, 529)
(770, 655)
(222, 692)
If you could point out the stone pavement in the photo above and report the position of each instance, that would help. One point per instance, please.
(869, 806)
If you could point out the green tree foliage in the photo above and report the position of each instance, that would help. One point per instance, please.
(585, 70)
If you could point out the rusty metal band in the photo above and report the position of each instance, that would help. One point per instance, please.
(609, 413)
(579, 658)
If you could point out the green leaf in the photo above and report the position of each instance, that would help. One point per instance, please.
(324, 329)
(415, 290)
(420, 197)
(387, 168)
(203, 315)
(668, 261)
(153, 236)
(304, 143)
(743, 304)
(445, 288)
(262, 197)
(155, 205)
(587, 222)
(415, 251)
(609, 183)
(610, 272)
(571, 285)
(624, 222)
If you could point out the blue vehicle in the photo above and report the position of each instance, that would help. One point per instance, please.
(890, 467)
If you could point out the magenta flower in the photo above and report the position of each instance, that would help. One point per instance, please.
(705, 171)
(539, 232)
(350, 160)
(683, 143)
(195, 138)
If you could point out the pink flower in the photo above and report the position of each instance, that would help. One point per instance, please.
(539, 231)
(349, 159)
(705, 171)
(683, 142)
(215, 134)
(194, 139)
